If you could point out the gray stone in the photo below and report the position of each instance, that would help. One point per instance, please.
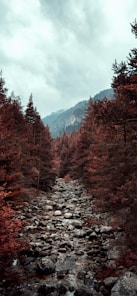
(66, 244)
(57, 213)
(62, 250)
(45, 267)
(114, 253)
(106, 229)
(80, 233)
(68, 215)
(70, 227)
(62, 289)
(46, 289)
(49, 208)
(83, 291)
(50, 202)
(126, 285)
(50, 226)
(93, 235)
(59, 236)
(77, 223)
(110, 281)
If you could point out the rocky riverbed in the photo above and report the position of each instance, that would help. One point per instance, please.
(73, 249)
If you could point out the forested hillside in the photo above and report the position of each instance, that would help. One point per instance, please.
(102, 154)
(26, 161)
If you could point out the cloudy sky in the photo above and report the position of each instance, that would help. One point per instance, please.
(62, 51)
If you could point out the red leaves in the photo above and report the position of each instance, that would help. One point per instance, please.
(132, 110)
(9, 227)
(127, 260)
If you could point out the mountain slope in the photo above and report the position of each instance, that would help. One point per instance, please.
(71, 119)
(66, 121)
(108, 93)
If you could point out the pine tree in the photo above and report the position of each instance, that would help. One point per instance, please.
(46, 166)
(3, 91)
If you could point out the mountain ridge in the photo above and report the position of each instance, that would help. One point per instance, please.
(71, 119)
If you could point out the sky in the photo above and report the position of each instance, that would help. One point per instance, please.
(62, 51)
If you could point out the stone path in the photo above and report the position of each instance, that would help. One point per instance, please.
(71, 246)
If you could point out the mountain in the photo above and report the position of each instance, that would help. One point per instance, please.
(66, 121)
(108, 93)
(70, 120)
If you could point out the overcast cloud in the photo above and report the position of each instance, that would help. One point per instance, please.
(62, 51)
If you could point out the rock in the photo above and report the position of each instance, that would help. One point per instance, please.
(50, 202)
(97, 229)
(49, 207)
(62, 289)
(91, 253)
(30, 227)
(80, 233)
(21, 217)
(106, 229)
(61, 200)
(104, 291)
(50, 226)
(70, 206)
(57, 213)
(82, 292)
(61, 241)
(68, 215)
(45, 267)
(61, 273)
(62, 250)
(89, 282)
(93, 235)
(45, 290)
(133, 268)
(70, 227)
(126, 285)
(66, 244)
(81, 275)
(110, 281)
(60, 207)
(77, 224)
(113, 253)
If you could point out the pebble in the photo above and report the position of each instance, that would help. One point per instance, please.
(58, 213)
(62, 246)
(68, 215)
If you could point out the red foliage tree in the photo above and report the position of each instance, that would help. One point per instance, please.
(46, 175)
(10, 186)
(65, 147)
(39, 167)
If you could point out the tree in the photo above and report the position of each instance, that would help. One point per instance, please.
(85, 140)
(10, 185)
(31, 153)
(127, 95)
(10, 142)
(3, 91)
(46, 175)
(134, 28)
(30, 112)
(39, 147)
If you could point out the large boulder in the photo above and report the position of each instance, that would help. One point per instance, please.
(126, 285)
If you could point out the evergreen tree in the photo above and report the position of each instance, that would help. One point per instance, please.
(3, 91)
(46, 175)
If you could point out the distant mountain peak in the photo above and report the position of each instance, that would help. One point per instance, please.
(71, 119)
(109, 93)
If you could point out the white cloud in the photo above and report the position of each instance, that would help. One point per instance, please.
(62, 51)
